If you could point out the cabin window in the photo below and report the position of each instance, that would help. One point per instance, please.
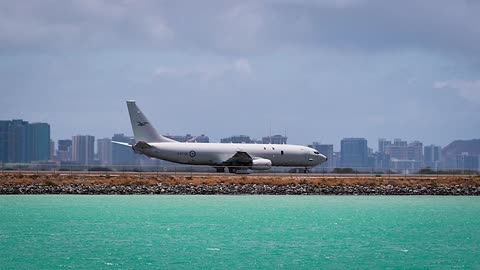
(273, 148)
(264, 148)
(281, 152)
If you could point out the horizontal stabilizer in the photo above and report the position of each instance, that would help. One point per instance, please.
(122, 143)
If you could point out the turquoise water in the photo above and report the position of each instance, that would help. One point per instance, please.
(224, 232)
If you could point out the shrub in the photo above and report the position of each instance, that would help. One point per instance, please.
(343, 170)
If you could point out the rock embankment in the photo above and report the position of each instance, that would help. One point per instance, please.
(25, 183)
(241, 189)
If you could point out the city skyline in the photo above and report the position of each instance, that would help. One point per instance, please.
(319, 70)
(372, 143)
(243, 138)
(258, 135)
(205, 138)
(24, 142)
(336, 143)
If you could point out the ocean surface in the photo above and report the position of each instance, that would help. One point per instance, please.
(230, 232)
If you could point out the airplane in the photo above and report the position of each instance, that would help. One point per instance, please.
(234, 156)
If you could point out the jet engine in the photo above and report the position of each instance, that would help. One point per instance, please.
(261, 164)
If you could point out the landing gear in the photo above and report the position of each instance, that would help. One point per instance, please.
(232, 170)
(306, 170)
(220, 169)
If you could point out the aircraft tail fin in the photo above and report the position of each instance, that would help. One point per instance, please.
(142, 128)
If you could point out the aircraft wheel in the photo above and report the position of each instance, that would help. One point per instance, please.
(306, 170)
(220, 169)
(232, 170)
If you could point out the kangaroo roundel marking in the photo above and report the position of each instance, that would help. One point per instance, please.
(192, 153)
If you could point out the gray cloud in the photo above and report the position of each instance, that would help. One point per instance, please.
(241, 26)
(206, 72)
(383, 25)
(322, 69)
(469, 90)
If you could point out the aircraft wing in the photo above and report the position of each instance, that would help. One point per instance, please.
(239, 158)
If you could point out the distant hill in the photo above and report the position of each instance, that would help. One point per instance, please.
(459, 146)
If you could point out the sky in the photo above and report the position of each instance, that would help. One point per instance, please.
(313, 70)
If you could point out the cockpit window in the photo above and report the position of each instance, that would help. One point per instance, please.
(316, 152)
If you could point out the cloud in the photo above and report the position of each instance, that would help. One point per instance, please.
(242, 27)
(82, 24)
(242, 65)
(469, 90)
(206, 72)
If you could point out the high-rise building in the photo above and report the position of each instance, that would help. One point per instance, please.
(337, 156)
(354, 152)
(83, 149)
(4, 128)
(18, 142)
(237, 139)
(415, 151)
(64, 151)
(326, 150)
(104, 151)
(401, 150)
(432, 156)
(200, 139)
(465, 161)
(64, 145)
(189, 138)
(122, 155)
(397, 150)
(382, 144)
(21, 142)
(381, 160)
(39, 143)
(52, 149)
(275, 139)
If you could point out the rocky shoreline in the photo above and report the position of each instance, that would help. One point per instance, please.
(241, 189)
(167, 184)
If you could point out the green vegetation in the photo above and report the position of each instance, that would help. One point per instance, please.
(344, 170)
(99, 169)
(428, 170)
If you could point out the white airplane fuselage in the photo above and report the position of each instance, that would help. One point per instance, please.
(214, 154)
(232, 155)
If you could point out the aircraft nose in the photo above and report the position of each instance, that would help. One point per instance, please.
(324, 157)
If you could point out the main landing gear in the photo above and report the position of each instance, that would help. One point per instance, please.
(230, 169)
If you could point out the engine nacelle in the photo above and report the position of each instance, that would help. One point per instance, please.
(261, 164)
